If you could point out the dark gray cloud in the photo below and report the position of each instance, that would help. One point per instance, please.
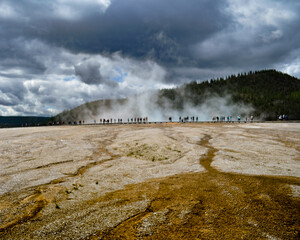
(89, 73)
(166, 31)
(13, 91)
(14, 54)
(139, 28)
(66, 52)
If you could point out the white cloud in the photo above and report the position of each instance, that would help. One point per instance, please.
(66, 12)
(101, 3)
(291, 67)
(255, 13)
(7, 11)
(273, 36)
(8, 111)
(59, 88)
(74, 9)
(254, 36)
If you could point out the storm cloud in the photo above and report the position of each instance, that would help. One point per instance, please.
(57, 54)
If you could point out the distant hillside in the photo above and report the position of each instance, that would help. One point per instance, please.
(264, 94)
(22, 121)
(270, 92)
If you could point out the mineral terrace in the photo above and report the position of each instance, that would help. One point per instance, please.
(151, 181)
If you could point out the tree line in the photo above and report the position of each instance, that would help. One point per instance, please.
(270, 92)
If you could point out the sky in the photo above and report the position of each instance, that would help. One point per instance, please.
(58, 54)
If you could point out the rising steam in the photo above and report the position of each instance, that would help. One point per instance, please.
(156, 107)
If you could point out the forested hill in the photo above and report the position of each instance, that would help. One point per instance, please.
(15, 121)
(267, 93)
(270, 92)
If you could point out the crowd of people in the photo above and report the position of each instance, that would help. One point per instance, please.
(188, 119)
(135, 120)
(120, 120)
(230, 119)
(282, 117)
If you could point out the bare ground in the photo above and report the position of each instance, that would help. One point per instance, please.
(163, 181)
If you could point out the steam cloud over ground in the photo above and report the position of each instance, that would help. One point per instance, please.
(157, 108)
